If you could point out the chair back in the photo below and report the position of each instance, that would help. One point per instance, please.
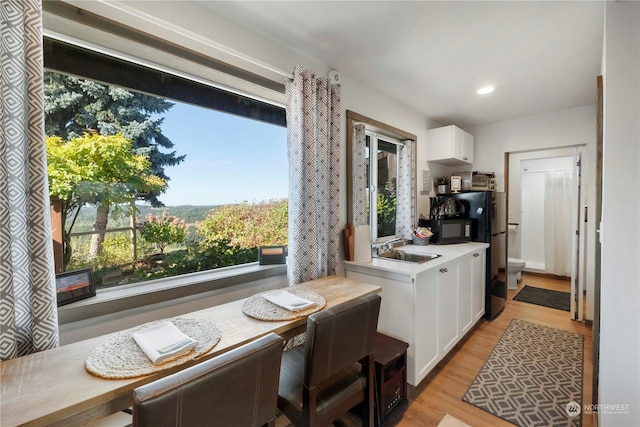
(237, 388)
(340, 336)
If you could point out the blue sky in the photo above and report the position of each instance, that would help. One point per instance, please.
(228, 158)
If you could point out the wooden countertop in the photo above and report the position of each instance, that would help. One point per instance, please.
(53, 388)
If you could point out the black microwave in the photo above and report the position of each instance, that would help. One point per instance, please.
(447, 231)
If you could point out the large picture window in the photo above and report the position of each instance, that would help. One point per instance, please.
(156, 175)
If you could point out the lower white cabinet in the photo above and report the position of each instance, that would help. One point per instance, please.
(478, 288)
(465, 295)
(425, 340)
(448, 307)
(430, 310)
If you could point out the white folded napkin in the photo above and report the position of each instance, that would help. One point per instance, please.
(163, 341)
(287, 300)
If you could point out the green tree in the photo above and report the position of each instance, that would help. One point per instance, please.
(247, 225)
(74, 106)
(386, 204)
(96, 169)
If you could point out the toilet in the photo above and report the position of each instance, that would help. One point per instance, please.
(514, 272)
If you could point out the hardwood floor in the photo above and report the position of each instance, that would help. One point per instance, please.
(441, 392)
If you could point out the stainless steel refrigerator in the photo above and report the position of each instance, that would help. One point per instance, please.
(487, 211)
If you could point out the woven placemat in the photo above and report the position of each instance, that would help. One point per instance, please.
(260, 308)
(120, 357)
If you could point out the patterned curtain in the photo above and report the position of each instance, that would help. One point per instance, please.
(406, 198)
(313, 137)
(360, 192)
(28, 311)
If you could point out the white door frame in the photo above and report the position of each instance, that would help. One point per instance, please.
(578, 260)
(578, 274)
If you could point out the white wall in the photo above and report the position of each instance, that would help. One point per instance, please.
(620, 295)
(564, 128)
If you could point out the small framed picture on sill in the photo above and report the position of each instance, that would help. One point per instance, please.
(74, 285)
(272, 254)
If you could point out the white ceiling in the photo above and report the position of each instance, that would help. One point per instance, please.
(542, 56)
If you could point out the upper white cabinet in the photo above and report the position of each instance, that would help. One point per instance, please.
(449, 145)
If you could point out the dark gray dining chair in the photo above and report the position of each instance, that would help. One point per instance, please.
(334, 370)
(237, 388)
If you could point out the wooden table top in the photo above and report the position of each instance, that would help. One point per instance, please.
(53, 388)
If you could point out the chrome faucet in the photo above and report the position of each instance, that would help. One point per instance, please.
(381, 247)
(390, 244)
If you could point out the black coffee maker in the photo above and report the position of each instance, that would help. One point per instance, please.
(443, 207)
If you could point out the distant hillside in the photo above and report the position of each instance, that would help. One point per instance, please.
(189, 213)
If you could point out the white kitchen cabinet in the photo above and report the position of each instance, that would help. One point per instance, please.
(405, 311)
(478, 288)
(430, 306)
(449, 145)
(448, 307)
(471, 290)
(426, 350)
(465, 295)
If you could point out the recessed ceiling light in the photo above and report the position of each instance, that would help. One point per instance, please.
(485, 90)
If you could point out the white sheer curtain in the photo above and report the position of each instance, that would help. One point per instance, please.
(28, 309)
(313, 138)
(558, 201)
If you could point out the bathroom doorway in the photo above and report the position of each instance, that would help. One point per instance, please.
(544, 217)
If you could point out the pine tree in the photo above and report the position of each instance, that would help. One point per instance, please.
(74, 106)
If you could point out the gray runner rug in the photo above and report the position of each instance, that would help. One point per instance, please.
(544, 297)
(533, 377)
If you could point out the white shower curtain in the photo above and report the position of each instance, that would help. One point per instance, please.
(558, 230)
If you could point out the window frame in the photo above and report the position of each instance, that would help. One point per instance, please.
(384, 129)
(372, 141)
(67, 58)
(163, 291)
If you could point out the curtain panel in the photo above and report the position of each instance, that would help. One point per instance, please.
(360, 191)
(406, 191)
(313, 138)
(28, 309)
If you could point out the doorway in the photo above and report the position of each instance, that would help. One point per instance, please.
(544, 215)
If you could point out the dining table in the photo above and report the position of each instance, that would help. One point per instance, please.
(54, 388)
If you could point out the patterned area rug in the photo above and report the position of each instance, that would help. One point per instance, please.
(533, 377)
(545, 297)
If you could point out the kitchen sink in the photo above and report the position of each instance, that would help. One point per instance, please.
(407, 256)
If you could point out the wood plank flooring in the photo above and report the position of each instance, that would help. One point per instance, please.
(441, 392)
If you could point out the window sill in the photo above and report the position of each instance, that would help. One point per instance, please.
(126, 297)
